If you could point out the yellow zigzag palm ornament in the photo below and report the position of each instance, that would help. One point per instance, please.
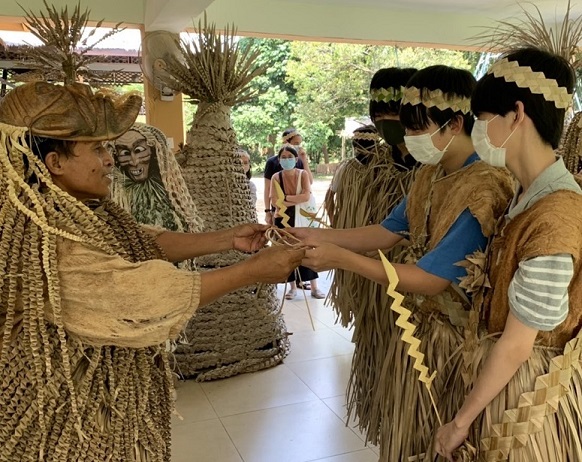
(408, 328)
(281, 204)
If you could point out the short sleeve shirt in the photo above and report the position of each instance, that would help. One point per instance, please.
(463, 238)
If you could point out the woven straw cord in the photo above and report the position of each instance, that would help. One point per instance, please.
(243, 331)
(534, 407)
(536, 82)
(436, 98)
(386, 95)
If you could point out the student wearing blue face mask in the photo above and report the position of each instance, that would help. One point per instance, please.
(447, 217)
(296, 185)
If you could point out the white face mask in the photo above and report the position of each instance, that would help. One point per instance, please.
(423, 149)
(493, 155)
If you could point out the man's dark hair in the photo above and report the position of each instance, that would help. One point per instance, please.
(42, 146)
(447, 79)
(497, 96)
(390, 77)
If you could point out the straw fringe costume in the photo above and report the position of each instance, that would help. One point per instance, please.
(364, 193)
(85, 299)
(537, 416)
(166, 202)
(435, 202)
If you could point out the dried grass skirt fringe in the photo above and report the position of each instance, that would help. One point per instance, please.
(560, 438)
(408, 418)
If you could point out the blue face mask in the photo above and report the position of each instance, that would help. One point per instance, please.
(287, 164)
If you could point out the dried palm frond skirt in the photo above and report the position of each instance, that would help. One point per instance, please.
(533, 420)
(407, 417)
(365, 195)
(245, 330)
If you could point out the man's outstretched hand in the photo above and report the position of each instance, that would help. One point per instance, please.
(249, 238)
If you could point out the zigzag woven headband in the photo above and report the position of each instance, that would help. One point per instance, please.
(385, 95)
(436, 98)
(536, 82)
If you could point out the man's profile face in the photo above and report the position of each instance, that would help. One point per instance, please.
(133, 155)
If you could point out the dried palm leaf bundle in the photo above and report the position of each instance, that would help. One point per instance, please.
(534, 31)
(571, 148)
(243, 331)
(65, 52)
(366, 188)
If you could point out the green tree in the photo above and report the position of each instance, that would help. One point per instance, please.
(332, 81)
(259, 123)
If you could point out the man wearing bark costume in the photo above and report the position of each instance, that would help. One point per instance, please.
(88, 296)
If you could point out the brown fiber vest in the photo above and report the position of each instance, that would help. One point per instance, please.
(435, 202)
(551, 226)
(484, 190)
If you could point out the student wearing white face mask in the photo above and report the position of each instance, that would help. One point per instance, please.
(526, 402)
(448, 215)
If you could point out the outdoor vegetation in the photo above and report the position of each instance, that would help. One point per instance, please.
(314, 87)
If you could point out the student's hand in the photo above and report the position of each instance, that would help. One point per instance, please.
(274, 264)
(323, 257)
(249, 237)
(448, 438)
(310, 237)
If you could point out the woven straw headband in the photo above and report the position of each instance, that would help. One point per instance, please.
(365, 136)
(536, 82)
(386, 95)
(436, 98)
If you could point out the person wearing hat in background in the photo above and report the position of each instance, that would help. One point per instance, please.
(89, 297)
(290, 136)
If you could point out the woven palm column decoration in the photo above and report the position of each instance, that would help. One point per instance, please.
(243, 331)
(533, 30)
(67, 40)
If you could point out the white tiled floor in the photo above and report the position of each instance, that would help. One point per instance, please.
(294, 412)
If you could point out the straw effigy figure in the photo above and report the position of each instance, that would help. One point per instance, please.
(244, 331)
(363, 191)
(149, 183)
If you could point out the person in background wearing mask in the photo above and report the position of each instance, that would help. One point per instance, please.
(385, 97)
(447, 217)
(245, 160)
(525, 404)
(297, 188)
(292, 137)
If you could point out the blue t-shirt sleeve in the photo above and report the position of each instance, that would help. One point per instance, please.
(463, 238)
(397, 221)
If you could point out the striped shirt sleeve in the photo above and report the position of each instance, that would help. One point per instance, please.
(538, 292)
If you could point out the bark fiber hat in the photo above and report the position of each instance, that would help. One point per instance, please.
(70, 112)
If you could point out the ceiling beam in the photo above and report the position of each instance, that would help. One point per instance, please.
(172, 15)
